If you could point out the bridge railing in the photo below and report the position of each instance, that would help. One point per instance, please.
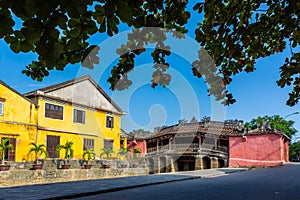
(187, 147)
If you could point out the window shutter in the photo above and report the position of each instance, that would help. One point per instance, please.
(83, 117)
(52, 143)
(1, 108)
(75, 116)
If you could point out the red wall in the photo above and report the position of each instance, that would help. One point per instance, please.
(135, 144)
(257, 150)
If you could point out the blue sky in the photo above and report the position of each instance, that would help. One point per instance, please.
(256, 93)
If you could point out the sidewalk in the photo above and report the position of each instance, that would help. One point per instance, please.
(69, 190)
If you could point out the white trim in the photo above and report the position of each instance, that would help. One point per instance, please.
(2, 109)
(84, 116)
(54, 101)
(249, 160)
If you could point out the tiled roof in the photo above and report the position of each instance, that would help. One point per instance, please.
(212, 127)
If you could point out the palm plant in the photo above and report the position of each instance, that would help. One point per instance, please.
(38, 150)
(108, 152)
(89, 153)
(4, 146)
(123, 152)
(136, 153)
(68, 149)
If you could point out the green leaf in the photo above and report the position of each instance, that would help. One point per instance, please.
(15, 46)
(125, 13)
(99, 10)
(75, 33)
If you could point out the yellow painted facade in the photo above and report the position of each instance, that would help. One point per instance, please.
(18, 119)
(27, 119)
(93, 128)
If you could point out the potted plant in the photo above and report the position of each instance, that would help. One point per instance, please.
(123, 153)
(136, 157)
(68, 153)
(90, 154)
(108, 152)
(38, 150)
(4, 146)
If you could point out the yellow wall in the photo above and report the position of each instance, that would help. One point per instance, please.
(18, 121)
(94, 127)
(27, 123)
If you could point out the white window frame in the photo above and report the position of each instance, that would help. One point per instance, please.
(111, 115)
(84, 116)
(2, 109)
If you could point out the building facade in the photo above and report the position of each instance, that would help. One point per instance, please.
(18, 122)
(77, 110)
(208, 144)
(190, 146)
(258, 149)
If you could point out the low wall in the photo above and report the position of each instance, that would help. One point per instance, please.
(25, 177)
(21, 173)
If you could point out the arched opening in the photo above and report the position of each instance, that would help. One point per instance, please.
(221, 163)
(206, 162)
(163, 164)
(186, 163)
(151, 166)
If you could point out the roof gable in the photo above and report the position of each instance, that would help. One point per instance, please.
(83, 91)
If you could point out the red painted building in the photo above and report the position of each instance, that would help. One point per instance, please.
(258, 149)
(137, 143)
(134, 141)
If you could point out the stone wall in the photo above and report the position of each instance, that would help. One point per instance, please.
(25, 177)
(51, 164)
(21, 173)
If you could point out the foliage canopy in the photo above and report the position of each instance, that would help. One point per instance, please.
(234, 34)
(294, 150)
(69, 152)
(275, 122)
(39, 150)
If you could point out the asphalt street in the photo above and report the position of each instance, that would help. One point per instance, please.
(267, 183)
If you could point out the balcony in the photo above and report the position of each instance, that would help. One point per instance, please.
(188, 148)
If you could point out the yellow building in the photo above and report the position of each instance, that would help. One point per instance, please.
(77, 110)
(18, 121)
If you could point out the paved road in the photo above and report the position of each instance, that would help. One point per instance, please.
(91, 187)
(269, 183)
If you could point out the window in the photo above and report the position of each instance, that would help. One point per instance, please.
(79, 116)
(1, 108)
(54, 111)
(109, 121)
(88, 144)
(9, 154)
(108, 144)
(121, 143)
